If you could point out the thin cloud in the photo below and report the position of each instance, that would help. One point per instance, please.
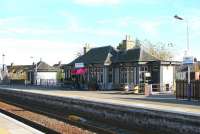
(150, 27)
(194, 26)
(97, 2)
(10, 20)
(148, 2)
(19, 51)
(8, 26)
(30, 31)
(74, 26)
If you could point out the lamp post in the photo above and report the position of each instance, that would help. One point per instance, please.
(187, 56)
(187, 31)
(35, 71)
(3, 60)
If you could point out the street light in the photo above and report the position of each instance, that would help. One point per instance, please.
(3, 58)
(180, 18)
(35, 71)
(187, 56)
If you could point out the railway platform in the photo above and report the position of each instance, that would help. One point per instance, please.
(162, 111)
(167, 103)
(9, 125)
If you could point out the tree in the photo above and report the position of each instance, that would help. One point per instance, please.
(60, 75)
(137, 42)
(79, 53)
(159, 50)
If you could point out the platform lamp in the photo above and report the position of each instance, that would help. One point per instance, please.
(187, 57)
(3, 60)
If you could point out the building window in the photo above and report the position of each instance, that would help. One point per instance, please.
(143, 70)
(131, 75)
(68, 74)
(92, 73)
(29, 76)
(110, 71)
(123, 75)
(100, 75)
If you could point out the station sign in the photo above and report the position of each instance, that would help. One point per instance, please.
(147, 74)
(188, 60)
(79, 65)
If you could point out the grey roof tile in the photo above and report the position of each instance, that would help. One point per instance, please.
(95, 55)
(99, 55)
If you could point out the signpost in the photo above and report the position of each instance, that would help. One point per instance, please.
(147, 88)
(188, 60)
(147, 74)
(79, 65)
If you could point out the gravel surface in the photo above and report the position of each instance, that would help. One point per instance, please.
(54, 124)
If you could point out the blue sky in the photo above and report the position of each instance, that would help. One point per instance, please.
(55, 30)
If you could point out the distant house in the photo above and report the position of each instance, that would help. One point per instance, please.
(3, 74)
(40, 74)
(18, 73)
(131, 65)
(182, 72)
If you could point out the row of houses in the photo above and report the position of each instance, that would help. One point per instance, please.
(109, 68)
(39, 74)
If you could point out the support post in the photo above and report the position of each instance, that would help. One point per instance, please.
(189, 84)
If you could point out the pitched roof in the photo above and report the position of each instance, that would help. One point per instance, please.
(101, 54)
(44, 67)
(58, 66)
(19, 68)
(41, 67)
(135, 55)
(96, 55)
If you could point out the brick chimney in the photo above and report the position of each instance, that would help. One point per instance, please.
(86, 48)
(126, 44)
(59, 63)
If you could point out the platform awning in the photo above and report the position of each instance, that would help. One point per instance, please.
(79, 71)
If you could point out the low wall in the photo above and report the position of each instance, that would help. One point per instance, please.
(121, 116)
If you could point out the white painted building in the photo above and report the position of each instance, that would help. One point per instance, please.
(167, 78)
(43, 74)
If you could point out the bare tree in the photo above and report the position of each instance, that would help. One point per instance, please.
(159, 50)
(79, 53)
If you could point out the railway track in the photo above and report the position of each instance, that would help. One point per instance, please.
(30, 123)
(69, 118)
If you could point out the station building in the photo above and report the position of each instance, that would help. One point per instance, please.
(129, 65)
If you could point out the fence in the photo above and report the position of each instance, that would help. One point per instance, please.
(183, 92)
(17, 82)
(47, 82)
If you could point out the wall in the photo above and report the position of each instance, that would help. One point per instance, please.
(20, 75)
(167, 75)
(46, 75)
(46, 78)
(162, 122)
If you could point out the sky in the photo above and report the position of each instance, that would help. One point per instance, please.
(55, 30)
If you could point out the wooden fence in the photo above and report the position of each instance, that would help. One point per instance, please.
(183, 92)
